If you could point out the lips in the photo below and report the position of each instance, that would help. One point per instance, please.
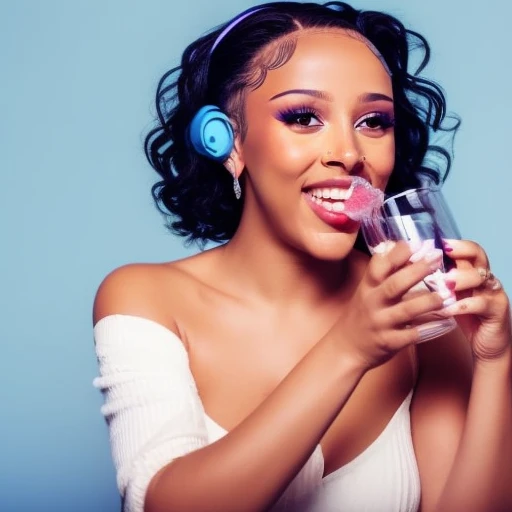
(343, 201)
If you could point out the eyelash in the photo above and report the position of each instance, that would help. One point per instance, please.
(384, 120)
(291, 116)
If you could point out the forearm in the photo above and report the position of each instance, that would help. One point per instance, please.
(481, 476)
(255, 462)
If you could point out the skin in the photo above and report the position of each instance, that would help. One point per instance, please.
(289, 305)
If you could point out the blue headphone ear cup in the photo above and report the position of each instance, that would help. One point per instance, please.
(211, 134)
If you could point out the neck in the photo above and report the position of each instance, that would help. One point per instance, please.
(267, 269)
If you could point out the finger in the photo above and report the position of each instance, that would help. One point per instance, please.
(466, 279)
(413, 334)
(403, 280)
(408, 336)
(409, 310)
(385, 264)
(466, 250)
(484, 305)
(480, 279)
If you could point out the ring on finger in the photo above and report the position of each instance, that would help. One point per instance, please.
(489, 280)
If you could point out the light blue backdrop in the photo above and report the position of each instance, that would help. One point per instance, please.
(77, 81)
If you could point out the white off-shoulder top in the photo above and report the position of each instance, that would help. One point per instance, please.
(155, 414)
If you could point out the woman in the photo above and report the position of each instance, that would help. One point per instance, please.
(279, 370)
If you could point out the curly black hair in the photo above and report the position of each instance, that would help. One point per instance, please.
(196, 193)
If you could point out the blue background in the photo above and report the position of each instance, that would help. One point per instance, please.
(77, 81)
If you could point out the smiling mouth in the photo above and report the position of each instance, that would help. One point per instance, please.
(332, 199)
(355, 199)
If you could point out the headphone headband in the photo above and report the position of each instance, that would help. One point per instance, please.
(233, 24)
(210, 132)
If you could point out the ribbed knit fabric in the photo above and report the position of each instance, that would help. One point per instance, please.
(151, 405)
(155, 414)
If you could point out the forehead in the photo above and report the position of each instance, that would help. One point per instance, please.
(333, 59)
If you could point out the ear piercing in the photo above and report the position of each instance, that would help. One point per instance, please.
(236, 184)
(236, 188)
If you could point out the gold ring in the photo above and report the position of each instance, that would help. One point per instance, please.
(494, 284)
(489, 280)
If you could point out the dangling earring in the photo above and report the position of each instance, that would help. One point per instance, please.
(236, 187)
(236, 184)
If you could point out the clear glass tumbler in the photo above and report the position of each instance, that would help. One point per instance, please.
(421, 217)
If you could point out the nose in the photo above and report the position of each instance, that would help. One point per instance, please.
(342, 150)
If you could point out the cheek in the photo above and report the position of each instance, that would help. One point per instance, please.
(275, 148)
(382, 161)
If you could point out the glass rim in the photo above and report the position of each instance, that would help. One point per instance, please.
(435, 188)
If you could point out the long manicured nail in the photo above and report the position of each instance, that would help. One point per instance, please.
(450, 309)
(434, 259)
(433, 255)
(447, 247)
(415, 245)
(450, 284)
(431, 330)
(419, 250)
(449, 301)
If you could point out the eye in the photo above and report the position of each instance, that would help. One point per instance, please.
(301, 117)
(375, 122)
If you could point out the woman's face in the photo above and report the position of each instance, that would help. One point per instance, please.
(325, 115)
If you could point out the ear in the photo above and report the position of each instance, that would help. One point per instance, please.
(235, 162)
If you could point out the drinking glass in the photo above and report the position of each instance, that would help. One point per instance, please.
(421, 217)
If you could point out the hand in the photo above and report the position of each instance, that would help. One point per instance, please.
(482, 309)
(376, 322)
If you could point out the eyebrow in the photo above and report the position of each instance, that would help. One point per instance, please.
(309, 92)
(364, 98)
(374, 96)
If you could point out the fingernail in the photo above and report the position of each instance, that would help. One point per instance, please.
(450, 309)
(434, 329)
(433, 255)
(449, 301)
(450, 284)
(446, 246)
(444, 293)
(415, 245)
(434, 259)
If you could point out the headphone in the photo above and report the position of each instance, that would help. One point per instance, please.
(210, 132)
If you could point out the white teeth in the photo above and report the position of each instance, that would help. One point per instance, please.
(336, 196)
(332, 193)
(338, 207)
(336, 193)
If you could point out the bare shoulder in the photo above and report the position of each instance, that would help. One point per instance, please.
(149, 290)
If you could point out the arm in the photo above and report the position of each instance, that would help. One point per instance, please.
(159, 439)
(290, 422)
(462, 413)
(463, 439)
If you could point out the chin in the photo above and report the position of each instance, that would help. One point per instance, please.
(331, 246)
